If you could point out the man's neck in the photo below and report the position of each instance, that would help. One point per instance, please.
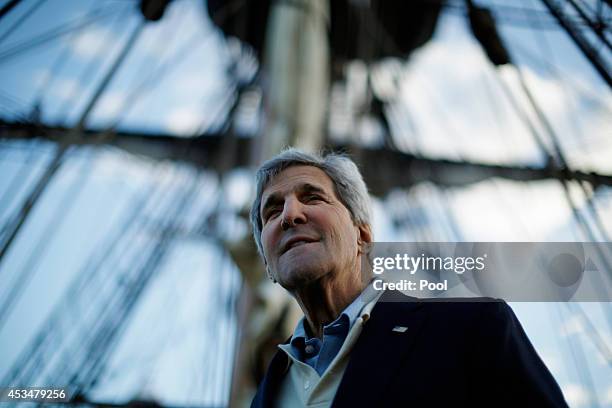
(324, 300)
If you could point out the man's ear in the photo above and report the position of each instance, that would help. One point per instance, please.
(268, 271)
(365, 236)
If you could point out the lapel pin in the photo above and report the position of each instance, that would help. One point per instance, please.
(399, 329)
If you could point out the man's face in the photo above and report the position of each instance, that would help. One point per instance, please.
(319, 236)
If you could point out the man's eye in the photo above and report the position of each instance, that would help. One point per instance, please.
(271, 214)
(313, 197)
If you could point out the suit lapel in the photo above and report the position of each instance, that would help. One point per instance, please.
(269, 387)
(380, 349)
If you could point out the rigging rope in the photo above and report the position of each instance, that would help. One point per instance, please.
(57, 32)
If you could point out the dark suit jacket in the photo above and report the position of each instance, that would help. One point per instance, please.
(454, 354)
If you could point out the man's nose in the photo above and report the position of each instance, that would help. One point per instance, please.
(293, 214)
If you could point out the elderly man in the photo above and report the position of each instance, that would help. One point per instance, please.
(354, 348)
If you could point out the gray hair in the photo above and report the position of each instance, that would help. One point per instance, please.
(348, 182)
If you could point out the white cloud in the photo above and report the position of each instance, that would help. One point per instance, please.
(41, 77)
(90, 43)
(193, 83)
(608, 396)
(183, 121)
(113, 164)
(573, 325)
(576, 395)
(538, 209)
(150, 43)
(180, 21)
(238, 187)
(546, 91)
(601, 357)
(461, 112)
(459, 109)
(109, 105)
(65, 89)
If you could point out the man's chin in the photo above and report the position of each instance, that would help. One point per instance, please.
(301, 276)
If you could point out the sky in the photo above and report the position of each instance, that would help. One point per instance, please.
(446, 101)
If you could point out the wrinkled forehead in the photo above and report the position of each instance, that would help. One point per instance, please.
(298, 178)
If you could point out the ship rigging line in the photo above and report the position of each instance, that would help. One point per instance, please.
(8, 7)
(91, 68)
(21, 20)
(593, 25)
(62, 210)
(57, 32)
(589, 52)
(73, 135)
(27, 365)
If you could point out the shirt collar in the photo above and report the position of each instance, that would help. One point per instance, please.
(346, 320)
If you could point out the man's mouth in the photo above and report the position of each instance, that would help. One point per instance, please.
(296, 242)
